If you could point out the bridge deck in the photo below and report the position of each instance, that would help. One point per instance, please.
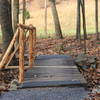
(53, 71)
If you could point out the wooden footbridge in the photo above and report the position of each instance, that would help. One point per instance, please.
(46, 70)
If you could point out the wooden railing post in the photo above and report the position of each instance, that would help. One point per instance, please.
(30, 48)
(34, 44)
(21, 56)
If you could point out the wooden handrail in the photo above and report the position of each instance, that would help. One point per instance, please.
(12, 55)
(5, 57)
(22, 41)
(30, 27)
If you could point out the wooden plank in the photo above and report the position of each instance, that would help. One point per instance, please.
(27, 67)
(63, 78)
(31, 84)
(14, 67)
(50, 69)
(59, 77)
(43, 76)
(54, 60)
(66, 77)
(52, 72)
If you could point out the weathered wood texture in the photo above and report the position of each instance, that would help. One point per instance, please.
(21, 56)
(8, 56)
(30, 27)
(30, 48)
(5, 57)
(52, 77)
(65, 74)
(11, 56)
(34, 44)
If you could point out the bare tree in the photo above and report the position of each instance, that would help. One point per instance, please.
(56, 20)
(15, 10)
(84, 19)
(84, 25)
(78, 26)
(45, 17)
(96, 19)
(6, 23)
(24, 11)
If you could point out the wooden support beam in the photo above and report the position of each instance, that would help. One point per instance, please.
(14, 68)
(30, 48)
(26, 27)
(11, 56)
(21, 56)
(5, 57)
(34, 44)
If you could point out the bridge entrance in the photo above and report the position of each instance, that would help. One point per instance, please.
(45, 70)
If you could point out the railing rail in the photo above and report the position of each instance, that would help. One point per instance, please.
(21, 38)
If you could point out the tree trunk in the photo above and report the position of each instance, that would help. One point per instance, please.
(6, 23)
(56, 20)
(96, 19)
(10, 10)
(84, 19)
(78, 28)
(15, 7)
(45, 28)
(24, 10)
(84, 25)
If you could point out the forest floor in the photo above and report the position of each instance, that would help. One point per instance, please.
(67, 46)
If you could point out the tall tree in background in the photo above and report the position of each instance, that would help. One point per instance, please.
(56, 20)
(96, 19)
(45, 29)
(24, 11)
(6, 22)
(84, 19)
(78, 26)
(84, 25)
(81, 4)
(15, 10)
(6, 25)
